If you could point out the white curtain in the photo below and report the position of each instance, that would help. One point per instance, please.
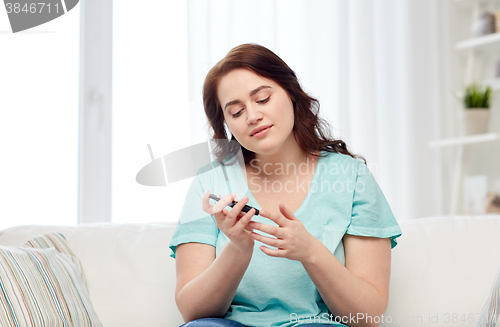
(373, 65)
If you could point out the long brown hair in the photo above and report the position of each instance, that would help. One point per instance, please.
(312, 133)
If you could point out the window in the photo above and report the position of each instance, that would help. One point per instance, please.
(39, 122)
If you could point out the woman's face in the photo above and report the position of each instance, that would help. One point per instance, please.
(251, 101)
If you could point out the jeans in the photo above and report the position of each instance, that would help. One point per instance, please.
(220, 322)
(212, 322)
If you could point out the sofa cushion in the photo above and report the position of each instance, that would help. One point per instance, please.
(42, 284)
(130, 274)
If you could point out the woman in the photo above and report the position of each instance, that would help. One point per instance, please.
(319, 251)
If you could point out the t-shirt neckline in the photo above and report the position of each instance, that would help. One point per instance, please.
(306, 199)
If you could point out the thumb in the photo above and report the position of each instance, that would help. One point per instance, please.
(287, 212)
(205, 203)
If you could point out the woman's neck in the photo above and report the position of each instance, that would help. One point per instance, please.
(282, 164)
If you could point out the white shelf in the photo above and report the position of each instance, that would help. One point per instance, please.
(477, 42)
(494, 83)
(471, 139)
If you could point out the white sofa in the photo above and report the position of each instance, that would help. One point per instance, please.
(442, 270)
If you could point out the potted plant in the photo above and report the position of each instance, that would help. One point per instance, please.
(476, 100)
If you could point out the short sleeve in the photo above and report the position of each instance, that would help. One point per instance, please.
(194, 224)
(371, 213)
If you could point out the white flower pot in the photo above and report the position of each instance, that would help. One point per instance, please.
(475, 120)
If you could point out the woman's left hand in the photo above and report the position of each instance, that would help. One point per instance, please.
(292, 240)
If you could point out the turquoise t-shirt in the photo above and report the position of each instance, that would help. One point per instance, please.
(343, 198)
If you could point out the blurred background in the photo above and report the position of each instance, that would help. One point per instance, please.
(83, 95)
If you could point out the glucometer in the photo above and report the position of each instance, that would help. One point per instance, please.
(232, 204)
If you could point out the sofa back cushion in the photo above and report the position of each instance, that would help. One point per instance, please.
(442, 270)
(130, 274)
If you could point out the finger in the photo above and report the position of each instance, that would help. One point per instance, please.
(226, 212)
(271, 241)
(272, 252)
(247, 219)
(287, 212)
(224, 219)
(236, 211)
(205, 203)
(223, 202)
(268, 229)
(278, 219)
(239, 205)
(243, 222)
(235, 218)
(220, 216)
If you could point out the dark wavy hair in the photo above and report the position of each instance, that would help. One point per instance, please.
(311, 132)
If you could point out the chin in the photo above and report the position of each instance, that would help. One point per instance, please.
(264, 147)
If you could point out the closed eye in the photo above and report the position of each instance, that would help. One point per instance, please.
(238, 113)
(261, 102)
(265, 100)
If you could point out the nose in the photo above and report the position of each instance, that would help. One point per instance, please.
(254, 115)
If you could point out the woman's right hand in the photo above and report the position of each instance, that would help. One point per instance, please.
(233, 223)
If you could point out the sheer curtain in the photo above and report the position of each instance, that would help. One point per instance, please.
(373, 65)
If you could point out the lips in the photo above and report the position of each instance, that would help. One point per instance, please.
(259, 129)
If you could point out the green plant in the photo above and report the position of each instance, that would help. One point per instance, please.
(477, 96)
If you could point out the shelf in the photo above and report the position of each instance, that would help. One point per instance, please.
(493, 83)
(471, 139)
(477, 42)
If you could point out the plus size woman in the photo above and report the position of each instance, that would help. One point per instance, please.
(319, 250)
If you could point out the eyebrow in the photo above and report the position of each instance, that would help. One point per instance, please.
(230, 103)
